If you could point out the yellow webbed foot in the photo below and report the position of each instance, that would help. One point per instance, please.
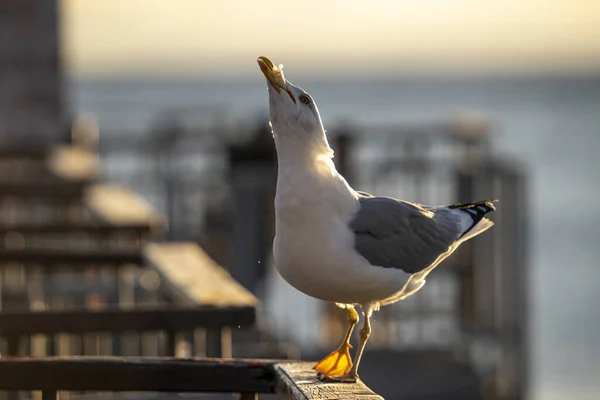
(337, 363)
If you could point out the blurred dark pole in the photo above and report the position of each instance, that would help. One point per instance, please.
(31, 101)
(167, 154)
(342, 145)
(253, 169)
(471, 136)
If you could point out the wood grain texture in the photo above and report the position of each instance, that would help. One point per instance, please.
(137, 374)
(92, 228)
(51, 189)
(119, 205)
(291, 380)
(297, 381)
(72, 257)
(141, 320)
(23, 149)
(193, 278)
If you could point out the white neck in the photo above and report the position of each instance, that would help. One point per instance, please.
(301, 149)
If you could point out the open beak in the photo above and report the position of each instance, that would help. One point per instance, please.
(274, 75)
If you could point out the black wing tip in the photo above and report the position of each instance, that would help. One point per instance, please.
(476, 210)
(488, 204)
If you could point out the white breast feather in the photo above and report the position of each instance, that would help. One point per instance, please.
(314, 247)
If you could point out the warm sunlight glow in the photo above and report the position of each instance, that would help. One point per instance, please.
(221, 37)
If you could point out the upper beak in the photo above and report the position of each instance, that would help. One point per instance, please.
(274, 75)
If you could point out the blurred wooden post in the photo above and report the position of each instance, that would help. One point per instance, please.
(12, 345)
(49, 394)
(471, 134)
(31, 106)
(253, 175)
(464, 255)
(167, 141)
(170, 343)
(343, 144)
(214, 345)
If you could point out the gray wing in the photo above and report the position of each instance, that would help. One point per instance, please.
(394, 234)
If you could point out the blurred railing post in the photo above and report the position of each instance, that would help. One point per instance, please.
(31, 106)
(253, 175)
(343, 144)
(471, 135)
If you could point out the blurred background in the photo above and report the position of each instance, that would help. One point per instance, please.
(431, 101)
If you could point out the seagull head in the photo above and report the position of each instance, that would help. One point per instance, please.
(294, 115)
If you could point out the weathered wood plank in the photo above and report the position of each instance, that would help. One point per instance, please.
(73, 164)
(72, 257)
(297, 381)
(294, 381)
(155, 319)
(96, 228)
(120, 206)
(23, 149)
(193, 278)
(51, 189)
(137, 374)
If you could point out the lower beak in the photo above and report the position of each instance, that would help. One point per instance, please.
(274, 75)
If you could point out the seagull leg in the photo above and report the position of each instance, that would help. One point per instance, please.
(352, 375)
(339, 362)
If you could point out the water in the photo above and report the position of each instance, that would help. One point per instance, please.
(553, 125)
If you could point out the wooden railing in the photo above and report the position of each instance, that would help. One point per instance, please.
(202, 294)
(193, 279)
(196, 294)
(293, 381)
(44, 185)
(62, 172)
(106, 215)
(83, 284)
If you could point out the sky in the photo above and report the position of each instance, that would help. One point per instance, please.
(330, 37)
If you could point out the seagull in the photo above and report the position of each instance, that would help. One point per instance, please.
(344, 246)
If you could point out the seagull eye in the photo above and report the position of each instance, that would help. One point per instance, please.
(304, 99)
